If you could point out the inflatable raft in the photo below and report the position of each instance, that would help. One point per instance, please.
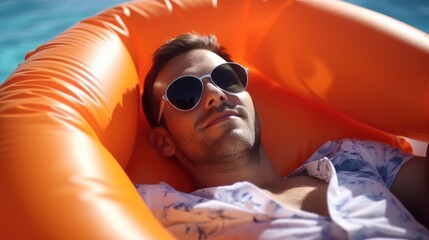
(73, 138)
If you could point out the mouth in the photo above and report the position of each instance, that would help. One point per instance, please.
(221, 117)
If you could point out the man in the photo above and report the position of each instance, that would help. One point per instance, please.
(196, 101)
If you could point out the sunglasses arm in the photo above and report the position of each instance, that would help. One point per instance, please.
(161, 109)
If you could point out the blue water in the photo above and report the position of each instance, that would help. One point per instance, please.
(25, 24)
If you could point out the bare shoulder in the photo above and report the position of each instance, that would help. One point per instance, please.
(411, 187)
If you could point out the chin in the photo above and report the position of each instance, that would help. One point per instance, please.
(239, 137)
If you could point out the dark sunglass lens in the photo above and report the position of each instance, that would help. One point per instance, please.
(230, 77)
(185, 92)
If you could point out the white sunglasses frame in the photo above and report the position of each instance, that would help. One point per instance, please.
(164, 97)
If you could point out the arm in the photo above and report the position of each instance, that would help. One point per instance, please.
(411, 187)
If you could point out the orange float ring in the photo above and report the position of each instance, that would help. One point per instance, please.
(73, 137)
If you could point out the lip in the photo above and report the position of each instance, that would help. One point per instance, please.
(219, 118)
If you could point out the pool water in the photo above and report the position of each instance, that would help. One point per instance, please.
(25, 24)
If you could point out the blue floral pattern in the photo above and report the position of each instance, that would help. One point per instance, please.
(360, 204)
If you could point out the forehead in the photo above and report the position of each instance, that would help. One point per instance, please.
(196, 62)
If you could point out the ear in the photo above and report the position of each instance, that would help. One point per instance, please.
(162, 141)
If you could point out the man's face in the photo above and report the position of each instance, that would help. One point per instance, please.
(221, 127)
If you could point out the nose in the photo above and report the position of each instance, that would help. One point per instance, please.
(213, 96)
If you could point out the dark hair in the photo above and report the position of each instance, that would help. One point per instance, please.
(172, 48)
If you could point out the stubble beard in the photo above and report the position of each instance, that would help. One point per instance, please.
(233, 150)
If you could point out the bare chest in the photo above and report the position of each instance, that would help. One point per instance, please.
(303, 192)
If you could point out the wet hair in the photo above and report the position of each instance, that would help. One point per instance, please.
(172, 48)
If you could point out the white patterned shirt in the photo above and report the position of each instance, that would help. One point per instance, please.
(359, 175)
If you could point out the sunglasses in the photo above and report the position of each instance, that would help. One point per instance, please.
(185, 92)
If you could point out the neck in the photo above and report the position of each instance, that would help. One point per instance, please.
(255, 168)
